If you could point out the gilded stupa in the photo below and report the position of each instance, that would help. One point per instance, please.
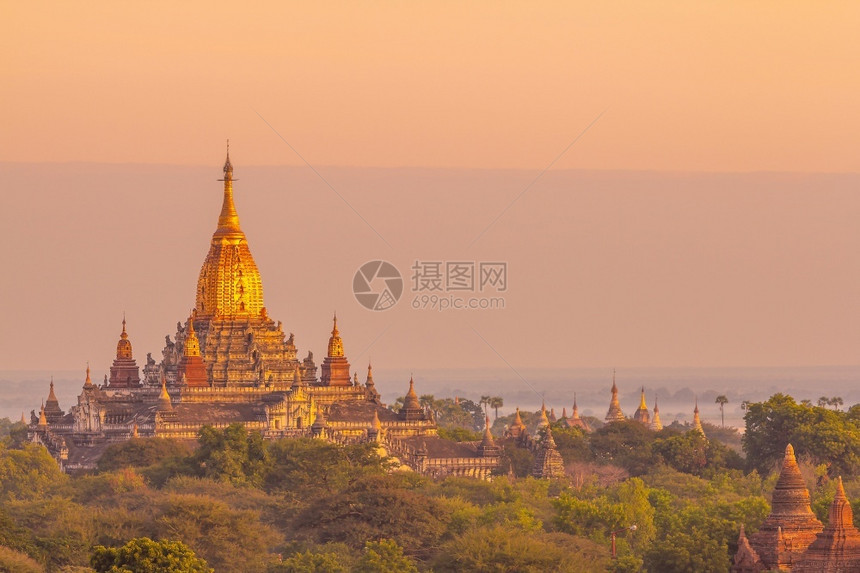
(642, 414)
(230, 363)
(229, 283)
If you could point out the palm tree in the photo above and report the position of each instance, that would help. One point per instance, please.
(485, 402)
(496, 402)
(823, 401)
(722, 401)
(836, 401)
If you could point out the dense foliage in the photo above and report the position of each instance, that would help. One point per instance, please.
(238, 503)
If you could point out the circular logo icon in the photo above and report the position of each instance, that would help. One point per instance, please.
(377, 285)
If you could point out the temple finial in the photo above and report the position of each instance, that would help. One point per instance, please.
(228, 220)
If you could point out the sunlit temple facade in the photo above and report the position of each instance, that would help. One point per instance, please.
(228, 362)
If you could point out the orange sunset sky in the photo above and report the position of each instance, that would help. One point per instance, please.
(709, 217)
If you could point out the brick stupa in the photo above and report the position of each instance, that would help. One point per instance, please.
(791, 526)
(837, 548)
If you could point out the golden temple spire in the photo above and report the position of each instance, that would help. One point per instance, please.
(642, 403)
(335, 343)
(51, 396)
(228, 221)
(575, 414)
(123, 346)
(375, 423)
(192, 344)
(43, 421)
(229, 283)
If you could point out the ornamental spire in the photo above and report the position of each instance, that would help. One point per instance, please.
(335, 343)
(697, 422)
(192, 344)
(123, 345)
(228, 221)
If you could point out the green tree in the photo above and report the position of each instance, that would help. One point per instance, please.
(722, 401)
(141, 452)
(28, 473)
(229, 539)
(625, 443)
(232, 454)
(303, 468)
(499, 549)
(822, 435)
(11, 560)
(684, 452)
(143, 555)
(376, 507)
(311, 562)
(384, 556)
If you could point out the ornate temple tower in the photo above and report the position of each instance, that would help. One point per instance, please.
(548, 462)
(791, 526)
(191, 369)
(411, 409)
(614, 414)
(53, 412)
(124, 372)
(229, 283)
(335, 367)
(239, 345)
(642, 414)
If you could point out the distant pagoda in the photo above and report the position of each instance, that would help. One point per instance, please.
(642, 415)
(614, 414)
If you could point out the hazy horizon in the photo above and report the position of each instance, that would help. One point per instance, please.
(675, 388)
